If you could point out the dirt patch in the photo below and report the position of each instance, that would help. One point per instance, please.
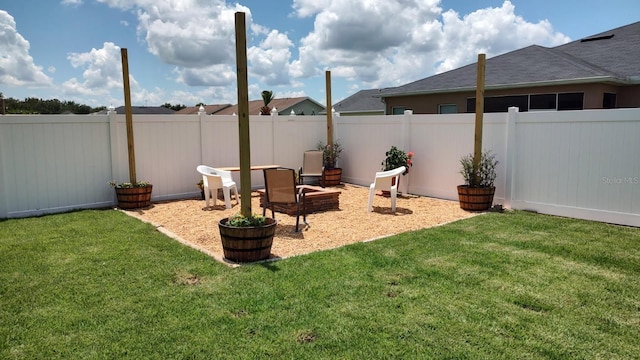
(190, 222)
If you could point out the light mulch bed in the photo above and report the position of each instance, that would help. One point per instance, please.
(190, 222)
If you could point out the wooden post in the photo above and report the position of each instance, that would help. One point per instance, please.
(329, 113)
(243, 114)
(128, 115)
(477, 145)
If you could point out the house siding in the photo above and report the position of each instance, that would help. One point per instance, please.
(628, 96)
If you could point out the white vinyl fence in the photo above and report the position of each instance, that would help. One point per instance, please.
(575, 163)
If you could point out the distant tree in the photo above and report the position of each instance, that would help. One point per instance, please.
(173, 107)
(267, 97)
(53, 106)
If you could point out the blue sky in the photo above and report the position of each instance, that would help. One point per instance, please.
(182, 51)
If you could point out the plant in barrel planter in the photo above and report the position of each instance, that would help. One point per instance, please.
(394, 159)
(477, 192)
(247, 239)
(132, 195)
(331, 153)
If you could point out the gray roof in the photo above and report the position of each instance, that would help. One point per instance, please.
(153, 110)
(598, 58)
(362, 101)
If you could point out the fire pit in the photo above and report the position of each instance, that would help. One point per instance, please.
(318, 199)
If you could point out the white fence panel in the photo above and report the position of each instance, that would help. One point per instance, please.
(53, 163)
(365, 139)
(293, 135)
(575, 163)
(439, 141)
(579, 163)
(166, 149)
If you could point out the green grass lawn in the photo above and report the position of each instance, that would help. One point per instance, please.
(99, 284)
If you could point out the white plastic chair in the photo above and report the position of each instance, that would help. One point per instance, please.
(215, 179)
(384, 181)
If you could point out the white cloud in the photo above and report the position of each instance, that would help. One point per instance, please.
(493, 31)
(102, 71)
(369, 43)
(270, 60)
(215, 75)
(188, 33)
(72, 2)
(306, 8)
(392, 42)
(199, 38)
(16, 65)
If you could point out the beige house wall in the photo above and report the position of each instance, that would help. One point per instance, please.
(628, 96)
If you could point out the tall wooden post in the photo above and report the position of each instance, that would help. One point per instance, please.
(477, 145)
(329, 113)
(243, 114)
(128, 115)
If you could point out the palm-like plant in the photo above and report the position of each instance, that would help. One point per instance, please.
(267, 97)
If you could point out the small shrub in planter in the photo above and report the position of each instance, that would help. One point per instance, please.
(238, 220)
(477, 192)
(331, 154)
(486, 170)
(132, 195)
(128, 185)
(332, 174)
(247, 239)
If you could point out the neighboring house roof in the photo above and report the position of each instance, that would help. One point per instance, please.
(362, 101)
(209, 109)
(611, 56)
(284, 106)
(152, 110)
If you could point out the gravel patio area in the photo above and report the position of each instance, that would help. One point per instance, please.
(190, 222)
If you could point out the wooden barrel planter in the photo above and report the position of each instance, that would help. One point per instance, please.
(475, 198)
(134, 198)
(247, 244)
(332, 177)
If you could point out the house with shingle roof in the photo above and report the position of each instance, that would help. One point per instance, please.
(598, 72)
(209, 109)
(364, 102)
(284, 106)
(139, 110)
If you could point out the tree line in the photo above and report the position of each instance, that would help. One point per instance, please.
(33, 105)
(39, 106)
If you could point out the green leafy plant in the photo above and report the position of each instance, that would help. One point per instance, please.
(239, 220)
(396, 158)
(486, 174)
(128, 185)
(267, 97)
(200, 184)
(331, 154)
